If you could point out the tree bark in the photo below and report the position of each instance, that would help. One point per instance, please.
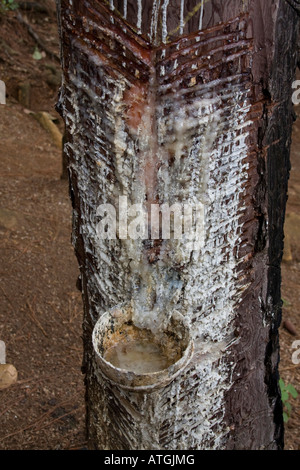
(168, 101)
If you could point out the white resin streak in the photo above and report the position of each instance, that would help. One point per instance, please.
(125, 9)
(154, 20)
(201, 15)
(139, 16)
(181, 17)
(112, 7)
(164, 32)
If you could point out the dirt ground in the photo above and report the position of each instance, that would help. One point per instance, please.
(41, 309)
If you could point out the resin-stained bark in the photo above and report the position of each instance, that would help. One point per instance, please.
(183, 101)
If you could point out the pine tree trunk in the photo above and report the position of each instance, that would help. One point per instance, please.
(170, 101)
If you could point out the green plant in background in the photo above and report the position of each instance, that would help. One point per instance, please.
(286, 391)
(37, 54)
(6, 5)
(285, 303)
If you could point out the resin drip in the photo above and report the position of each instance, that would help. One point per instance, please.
(139, 356)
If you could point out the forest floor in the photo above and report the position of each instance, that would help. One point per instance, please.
(41, 308)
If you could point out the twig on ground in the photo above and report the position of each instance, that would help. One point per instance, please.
(61, 417)
(36, 37)
(39, 379)
(7, 298)
(22, 252)
(32, 6)
(39, 420)
(34, 319)
(290, 368)
(82, 445)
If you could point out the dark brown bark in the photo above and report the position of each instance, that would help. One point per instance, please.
(273, 78)
(248, 52)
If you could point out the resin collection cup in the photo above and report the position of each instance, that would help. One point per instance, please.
(136, 358)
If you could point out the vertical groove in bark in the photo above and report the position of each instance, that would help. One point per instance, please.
(159, 111)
